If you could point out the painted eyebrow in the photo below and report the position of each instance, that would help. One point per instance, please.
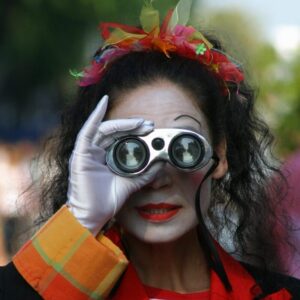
(188, 116)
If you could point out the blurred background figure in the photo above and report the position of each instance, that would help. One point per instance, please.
(3, 252)
(291, 255)
(15, 177)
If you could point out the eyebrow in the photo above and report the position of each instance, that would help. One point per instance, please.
(188, 116)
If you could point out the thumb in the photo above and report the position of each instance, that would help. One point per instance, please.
(151, 173)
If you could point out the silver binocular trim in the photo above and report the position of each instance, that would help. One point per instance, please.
(186, 150)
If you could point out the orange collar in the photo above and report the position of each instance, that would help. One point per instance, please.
(244, 286)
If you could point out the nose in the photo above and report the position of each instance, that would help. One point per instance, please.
(162, 179)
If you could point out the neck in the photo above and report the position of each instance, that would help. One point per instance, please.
(178, 266)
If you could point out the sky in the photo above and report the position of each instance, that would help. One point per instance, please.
(280, 19)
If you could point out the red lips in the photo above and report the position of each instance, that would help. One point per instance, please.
(158, 212)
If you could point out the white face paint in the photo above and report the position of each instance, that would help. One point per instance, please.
(163, 210)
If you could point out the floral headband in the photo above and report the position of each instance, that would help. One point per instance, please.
(173, 36)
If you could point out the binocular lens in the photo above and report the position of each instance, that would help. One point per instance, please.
(186, 151)
(131, 155)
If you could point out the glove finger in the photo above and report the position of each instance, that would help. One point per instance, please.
(113, 126)
(111, 130)
(90, 127)
(146, 127)
(151, 173)
(145, 178)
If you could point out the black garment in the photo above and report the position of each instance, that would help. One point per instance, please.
(272, 282)
(14, 287)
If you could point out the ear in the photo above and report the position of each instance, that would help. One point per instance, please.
(222, 167)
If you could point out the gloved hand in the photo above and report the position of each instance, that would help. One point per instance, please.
(95, 194)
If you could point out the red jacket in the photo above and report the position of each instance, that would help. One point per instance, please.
(244, 286)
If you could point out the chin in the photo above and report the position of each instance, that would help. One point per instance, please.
(158, 239)
(161, 234)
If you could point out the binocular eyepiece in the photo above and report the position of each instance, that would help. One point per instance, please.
(186, 150)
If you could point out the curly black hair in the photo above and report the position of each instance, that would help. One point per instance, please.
(241, 203)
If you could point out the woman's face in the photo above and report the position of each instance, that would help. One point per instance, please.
(163, 210)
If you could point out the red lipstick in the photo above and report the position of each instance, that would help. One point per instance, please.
(158, 212)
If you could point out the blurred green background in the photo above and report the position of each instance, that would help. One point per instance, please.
(41, 40)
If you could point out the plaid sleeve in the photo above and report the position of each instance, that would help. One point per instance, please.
(65, 261)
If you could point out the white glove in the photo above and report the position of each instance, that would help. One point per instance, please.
(95, 194)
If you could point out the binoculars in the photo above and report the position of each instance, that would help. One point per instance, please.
(186, 150)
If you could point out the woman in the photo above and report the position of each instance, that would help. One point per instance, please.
(172, 91)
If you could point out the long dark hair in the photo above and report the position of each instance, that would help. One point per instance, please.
(241, 201)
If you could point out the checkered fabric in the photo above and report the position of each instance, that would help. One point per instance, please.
(65, 261)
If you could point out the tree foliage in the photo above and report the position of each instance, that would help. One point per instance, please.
(40, 41)
(276, 78)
